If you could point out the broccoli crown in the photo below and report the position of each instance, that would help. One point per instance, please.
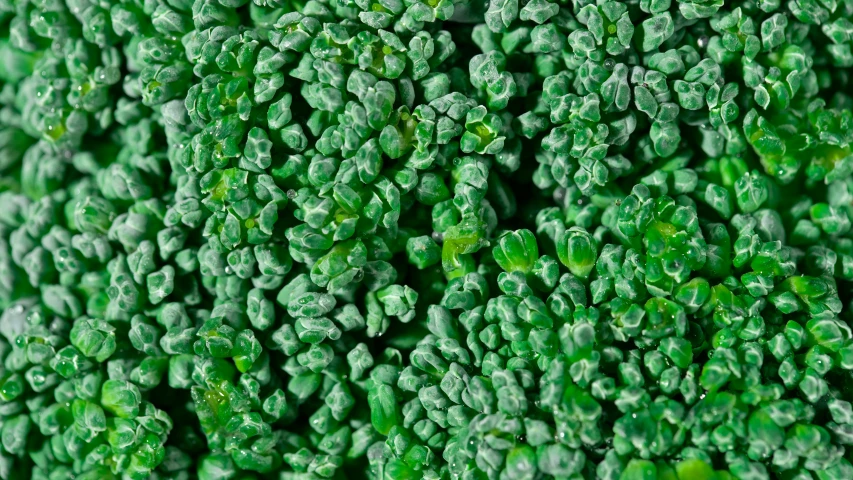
(426, 239)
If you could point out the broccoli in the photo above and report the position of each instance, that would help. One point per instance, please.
(426, 240)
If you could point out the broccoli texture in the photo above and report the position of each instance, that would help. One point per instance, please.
(426, 239)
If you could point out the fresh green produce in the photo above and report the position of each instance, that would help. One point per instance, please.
(426, 239)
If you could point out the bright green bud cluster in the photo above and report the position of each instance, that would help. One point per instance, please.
(425, 239)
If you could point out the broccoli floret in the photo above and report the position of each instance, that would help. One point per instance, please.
(426, 239)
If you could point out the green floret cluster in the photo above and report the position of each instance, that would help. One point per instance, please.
(426, 239)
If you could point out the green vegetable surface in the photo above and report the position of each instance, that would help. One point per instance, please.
(426, 239)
